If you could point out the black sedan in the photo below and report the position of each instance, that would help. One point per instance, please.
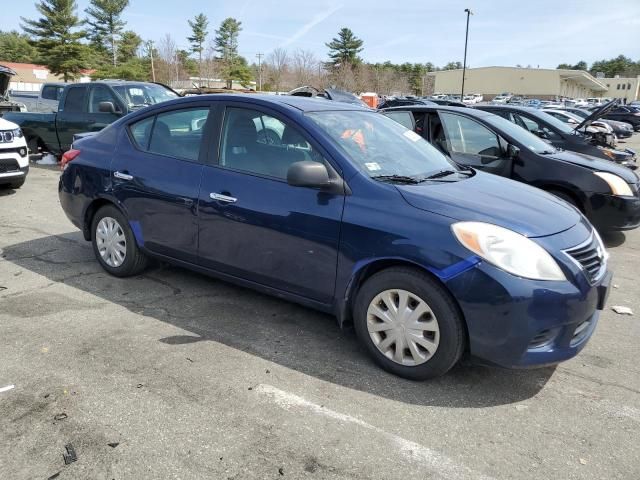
(608, 194)
(559, 134)
(625, 113)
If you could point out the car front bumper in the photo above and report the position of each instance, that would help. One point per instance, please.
(514, 322)
(610, 212)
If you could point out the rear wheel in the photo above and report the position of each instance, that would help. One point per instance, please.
(114, 244)
(409, 324)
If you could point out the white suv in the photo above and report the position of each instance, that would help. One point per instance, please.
(14, 155)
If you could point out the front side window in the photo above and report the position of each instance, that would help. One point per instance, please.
(464, 135)
(257, 143)
(75, 101)
(379, 146)
(99, 94)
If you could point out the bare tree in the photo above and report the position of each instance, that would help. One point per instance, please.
(277, 65)
(168, 59)
(305, 66)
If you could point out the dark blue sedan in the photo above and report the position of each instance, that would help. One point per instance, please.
(343, 210)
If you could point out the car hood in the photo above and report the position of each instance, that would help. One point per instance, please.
(7, 125)
(596, 164)
(496, 200)
(599, 112)
(5, 77)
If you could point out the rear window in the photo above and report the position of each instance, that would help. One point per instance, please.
(76, 99)
(51, 92)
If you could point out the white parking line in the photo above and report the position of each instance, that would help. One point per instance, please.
(439, 463)
(7, 388)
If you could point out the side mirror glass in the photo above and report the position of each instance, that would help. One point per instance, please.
(106, 107)
(308, 174)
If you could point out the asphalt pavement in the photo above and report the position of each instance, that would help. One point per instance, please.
(174, 375)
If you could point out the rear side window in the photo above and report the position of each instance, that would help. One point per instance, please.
(141, 132)
(76, 99)
(50, 92)
(176, 134)
(403, 118)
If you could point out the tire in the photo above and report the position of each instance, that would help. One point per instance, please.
(120, 255)
(424, 294)
(17, 185)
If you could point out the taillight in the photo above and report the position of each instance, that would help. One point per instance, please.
(68, 156)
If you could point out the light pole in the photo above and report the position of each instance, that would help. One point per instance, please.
(464, 63)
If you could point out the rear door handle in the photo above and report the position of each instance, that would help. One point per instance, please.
(122, 176)
(223, 198)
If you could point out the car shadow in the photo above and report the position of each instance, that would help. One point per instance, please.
(5, 191)
(275, 330)
(613, 239)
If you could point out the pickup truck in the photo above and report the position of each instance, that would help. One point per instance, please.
(44, 101)
(86, 107)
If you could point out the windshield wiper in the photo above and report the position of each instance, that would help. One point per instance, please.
(396, 178)
(440, 174)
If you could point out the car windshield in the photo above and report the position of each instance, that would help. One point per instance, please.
(555, 123)
(142, 95)
(520, 135)
(381, 147)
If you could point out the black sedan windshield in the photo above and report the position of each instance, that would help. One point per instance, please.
(381, 147)
(520, 135)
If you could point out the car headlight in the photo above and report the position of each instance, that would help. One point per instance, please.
(17, 133)
(508, 250)
(617, 185)
(609, 153)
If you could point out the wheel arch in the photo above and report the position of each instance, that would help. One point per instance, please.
(551, 188)
(90, 212)
(367, 270)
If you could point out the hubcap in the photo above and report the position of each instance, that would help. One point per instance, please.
(111, 242)
(403, 327)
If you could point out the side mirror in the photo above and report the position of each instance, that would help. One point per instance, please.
(106, 107)
(308, 174)
(512, 151)
(541, 134)
(572, 121)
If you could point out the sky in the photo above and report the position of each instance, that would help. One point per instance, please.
(541, 33)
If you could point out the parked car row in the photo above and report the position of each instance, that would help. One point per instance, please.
(336, 207)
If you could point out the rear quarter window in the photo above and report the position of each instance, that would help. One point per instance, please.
(141, 132)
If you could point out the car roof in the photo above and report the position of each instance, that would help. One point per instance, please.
(303, 104)
(445, 108)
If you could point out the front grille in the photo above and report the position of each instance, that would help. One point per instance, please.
(8, 165)
(591, 258)
(6, 137)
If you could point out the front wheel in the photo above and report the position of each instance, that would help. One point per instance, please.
(114, 244)
(409, 324)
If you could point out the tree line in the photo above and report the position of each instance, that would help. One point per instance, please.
(69, 44)
(620, 65)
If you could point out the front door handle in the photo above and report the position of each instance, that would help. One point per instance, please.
(223, 198)
(122, 176)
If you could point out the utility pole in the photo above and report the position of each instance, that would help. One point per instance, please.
(259, 55)
(153, 70)
(464, 64)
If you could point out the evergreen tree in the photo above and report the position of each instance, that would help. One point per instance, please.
(15, 47)
(128, 46)
(105, 18)
(198, 37)
(344, 48)
(58, 38)
(234, 67)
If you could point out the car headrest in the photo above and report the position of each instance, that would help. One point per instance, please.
(242, 132)
(291, 136)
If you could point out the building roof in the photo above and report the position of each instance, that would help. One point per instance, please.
(581, 77)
